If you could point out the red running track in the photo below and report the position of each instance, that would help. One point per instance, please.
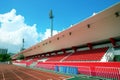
(12, 72)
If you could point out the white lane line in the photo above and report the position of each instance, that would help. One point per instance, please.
(68, 78)
(51, 75)
(30, 75)
(44, 75)
(3, 76)
(49, 79)
(16, 75)
(61, 75)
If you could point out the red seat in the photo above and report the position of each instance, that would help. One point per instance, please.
(87, 55)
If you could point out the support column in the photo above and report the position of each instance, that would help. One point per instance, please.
(112, 40)
(90, 46)
(49, 53)
(55, 52)
(74, 48)
(64, 51)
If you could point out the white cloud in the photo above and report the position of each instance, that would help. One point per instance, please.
(94, 14)
(13, 29)
(47, 34)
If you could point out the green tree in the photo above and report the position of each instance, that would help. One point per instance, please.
(20, 57)
(5, 57)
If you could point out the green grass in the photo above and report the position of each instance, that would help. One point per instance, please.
(85, 77)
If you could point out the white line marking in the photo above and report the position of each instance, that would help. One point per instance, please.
(16, 75)
(30, 75)
(3, 76)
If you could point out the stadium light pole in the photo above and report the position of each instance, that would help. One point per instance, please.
(23, 43)
(22, 48)
(51, 19)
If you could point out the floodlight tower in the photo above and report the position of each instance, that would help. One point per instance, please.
(51, 18)
(23, 43)
(22, 48)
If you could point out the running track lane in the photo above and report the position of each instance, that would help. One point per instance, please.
(12, 72)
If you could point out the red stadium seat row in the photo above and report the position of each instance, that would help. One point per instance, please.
(27, 62)
(107, 72)
(45, 66)
(87, 55)
(57, 57)
(101, 69)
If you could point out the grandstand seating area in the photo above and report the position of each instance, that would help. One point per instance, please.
(87, 55)
(26, 62)
(87, 62)
(57, 57)
(102, 69)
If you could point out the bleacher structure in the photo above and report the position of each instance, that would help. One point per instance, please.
(86, 48)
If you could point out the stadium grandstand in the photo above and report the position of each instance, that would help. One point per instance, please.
(90, 47)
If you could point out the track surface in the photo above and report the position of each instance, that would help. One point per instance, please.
(12, 72)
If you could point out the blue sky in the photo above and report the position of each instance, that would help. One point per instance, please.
(29, 19)
(66, 12)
